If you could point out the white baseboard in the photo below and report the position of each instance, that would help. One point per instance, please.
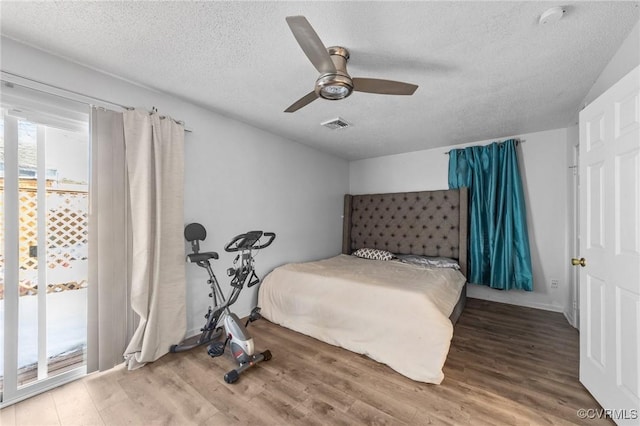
(569, 316)
(498, 297)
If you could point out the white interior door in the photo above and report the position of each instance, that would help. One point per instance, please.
(610, 247)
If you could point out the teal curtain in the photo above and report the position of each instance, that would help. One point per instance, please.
(498, 240)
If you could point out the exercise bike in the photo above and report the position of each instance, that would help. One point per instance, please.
(235, 333)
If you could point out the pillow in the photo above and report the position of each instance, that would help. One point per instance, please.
(428, 261)
(373, 254)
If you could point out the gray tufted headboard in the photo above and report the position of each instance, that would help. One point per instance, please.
(431, 223)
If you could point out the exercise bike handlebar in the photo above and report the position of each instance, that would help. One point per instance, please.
(271, 236)
(249, 240)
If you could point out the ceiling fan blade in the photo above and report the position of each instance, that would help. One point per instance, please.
(303, 101)
(383, 87)
(311, 44)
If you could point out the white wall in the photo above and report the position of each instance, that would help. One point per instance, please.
(544, 168)
(238, 178)
(626, 58)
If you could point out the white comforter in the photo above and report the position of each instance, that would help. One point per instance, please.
(394, 313)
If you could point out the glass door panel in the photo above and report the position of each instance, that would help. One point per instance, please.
(67, 251)
(43, 311)
(28, 272)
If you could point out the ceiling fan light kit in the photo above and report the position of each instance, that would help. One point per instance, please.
(338, 85)
(334, 82)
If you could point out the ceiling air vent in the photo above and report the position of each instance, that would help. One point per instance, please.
(336, 123)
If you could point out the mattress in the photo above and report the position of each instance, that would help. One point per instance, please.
(392, 312)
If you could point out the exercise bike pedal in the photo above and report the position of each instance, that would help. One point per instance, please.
(255, 315)
(216, 349)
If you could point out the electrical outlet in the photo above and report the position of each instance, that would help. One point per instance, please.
(554, 283)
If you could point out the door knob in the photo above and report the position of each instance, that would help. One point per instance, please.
(582, 262)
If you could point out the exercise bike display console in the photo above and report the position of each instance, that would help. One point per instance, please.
(235, 333)
(249, 240)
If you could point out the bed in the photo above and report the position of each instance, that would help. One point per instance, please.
(393, 312)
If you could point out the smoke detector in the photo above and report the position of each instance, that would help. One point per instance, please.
(551, 16)
(336, 123)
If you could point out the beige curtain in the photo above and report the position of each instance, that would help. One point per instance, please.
(109, 244)
(155, 163)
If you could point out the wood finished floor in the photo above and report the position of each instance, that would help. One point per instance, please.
(507, 365)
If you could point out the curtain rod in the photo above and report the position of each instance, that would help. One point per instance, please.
(518, 142)
(76, 96)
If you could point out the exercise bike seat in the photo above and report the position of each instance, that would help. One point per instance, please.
(201, 257)
(194, 233)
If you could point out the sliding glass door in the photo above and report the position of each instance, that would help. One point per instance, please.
(44, 177)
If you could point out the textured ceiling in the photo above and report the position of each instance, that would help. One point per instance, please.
(485, 69)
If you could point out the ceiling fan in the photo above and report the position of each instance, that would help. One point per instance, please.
(334, 82)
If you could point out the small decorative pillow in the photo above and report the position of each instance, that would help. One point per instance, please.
(428, 261)
(373, 254)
